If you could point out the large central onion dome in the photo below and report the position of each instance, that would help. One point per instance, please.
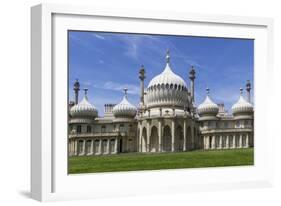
(208, 109)
(84, 108)
(242, 109)
(124, 109)
(167, 89)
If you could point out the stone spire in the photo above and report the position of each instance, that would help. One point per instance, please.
(192, 78)
(142, 77)
(168, 56)
(248, 89)
(85, 93)
(76, 89)
(125, 92)
(207, 91)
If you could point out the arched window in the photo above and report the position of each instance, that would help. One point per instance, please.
(103, 128)
(89, 129)
(80, 147)
(217, 125)
(121, 128)
(225, 124)
(78, 129)
(237, 124)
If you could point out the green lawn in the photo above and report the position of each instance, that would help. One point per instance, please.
(141, 161)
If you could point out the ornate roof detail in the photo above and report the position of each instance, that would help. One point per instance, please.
(167, 88)
(124, 108)
(208, 107)
(242, 106)
(84, 108)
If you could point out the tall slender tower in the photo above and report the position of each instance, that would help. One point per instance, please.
(76, 90)
(192, 78)
(248, 89)
(142, 77)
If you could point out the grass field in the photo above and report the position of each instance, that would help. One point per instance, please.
(141, 161)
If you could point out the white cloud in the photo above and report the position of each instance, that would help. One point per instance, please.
(99, 36)
(114, 86)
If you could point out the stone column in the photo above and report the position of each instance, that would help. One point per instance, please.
(115, 145)
(70, 147)
(240, 141)
(75, 147)
(184, 135)
(92, 147)
(148, 135)
(84, 147)
(214, 142)
(173, 135)
(227, 142)
(107, 146)
(140, 138)
(220, 142)
(234, 141)
(160, 135)
(247, 141)
(205, 142)
(100, 147)
(192, 138)
(208, 146)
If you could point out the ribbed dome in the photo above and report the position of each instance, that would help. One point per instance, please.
(124, 108)
(84, 108)
(208, 107)
(167, 89)
(242, 106)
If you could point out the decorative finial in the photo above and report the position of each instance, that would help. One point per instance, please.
(142, 73)
(192, 73)
(248, 85)
(208, 91)
(85, 92)
(76, 85)
(168, 56)
(125, 91)
(241, 90)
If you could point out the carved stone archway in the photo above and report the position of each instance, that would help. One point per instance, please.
(167, 139)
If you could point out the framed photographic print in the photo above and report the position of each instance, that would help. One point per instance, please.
(136, 102)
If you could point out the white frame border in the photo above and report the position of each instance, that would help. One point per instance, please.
(42, 91)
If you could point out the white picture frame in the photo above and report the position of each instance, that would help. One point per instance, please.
(49, 179)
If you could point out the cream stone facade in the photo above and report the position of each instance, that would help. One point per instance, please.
(166, 120)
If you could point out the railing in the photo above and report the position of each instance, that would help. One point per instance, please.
(98, 134)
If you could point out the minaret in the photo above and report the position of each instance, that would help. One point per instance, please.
(207, 91)
(85, 93)
(248, 89)
(76, 90)
(125, 92)
(168, 56)
(142, 77)
(192, 78)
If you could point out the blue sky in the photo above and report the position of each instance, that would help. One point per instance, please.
(105, 63)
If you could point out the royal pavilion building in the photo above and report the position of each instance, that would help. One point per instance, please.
(166, 120)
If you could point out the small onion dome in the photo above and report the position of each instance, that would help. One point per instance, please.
(84, 108)
(208, 107)
(242, 107)
(167, 89)
(124, 108)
